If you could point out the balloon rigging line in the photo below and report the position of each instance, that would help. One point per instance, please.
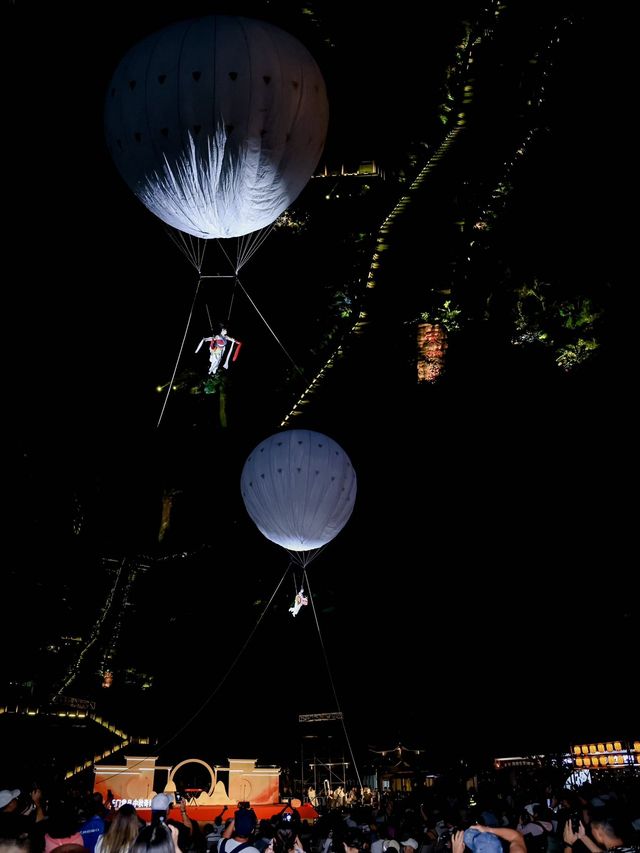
(259, 313)
(179, 243)
(202, 244)
(252, 246)
(204, 704)
(333, 686)
(246, 247)
(228, 315)
(195, 257)
(249, 245)
(264, 320)
(198, 249)
(242, 259)
(233, 298)
(303, 558)
(233, 266)
(184, 337)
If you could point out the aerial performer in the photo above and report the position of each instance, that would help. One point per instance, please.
(217, 123)
(300, 601)
(217, 345)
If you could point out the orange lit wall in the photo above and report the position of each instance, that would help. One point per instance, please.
(255, 784)
(134, 781)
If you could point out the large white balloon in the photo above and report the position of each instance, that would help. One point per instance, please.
(299, 488)
(217, 123)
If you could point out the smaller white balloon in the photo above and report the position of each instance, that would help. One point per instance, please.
(299, 488)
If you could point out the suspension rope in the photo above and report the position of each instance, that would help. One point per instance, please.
(333, 686)
(233, 266)
(232, 299)
(193, 252)
(303, 558)
(250, 243)
(194, 248)
(228, 315)
(181, 246)
(295, 583)
(242, 257)
(242, 249)
(204, 704)
(203, 248)
(264, 320)
(184, 337)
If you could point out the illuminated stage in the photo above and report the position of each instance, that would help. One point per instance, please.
(207, 814)
(135, 783)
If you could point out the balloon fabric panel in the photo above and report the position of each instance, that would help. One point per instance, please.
(299, 488)
(217, 124)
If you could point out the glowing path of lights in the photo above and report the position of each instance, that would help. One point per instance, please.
(498, 196)
(93, 637)
(381, 245)
(494, 10)
(124, 739)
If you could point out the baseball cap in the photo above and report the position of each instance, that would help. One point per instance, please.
(7, 795)
(160, 803)
(482, 842)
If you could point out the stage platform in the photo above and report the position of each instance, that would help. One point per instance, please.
(207, 814)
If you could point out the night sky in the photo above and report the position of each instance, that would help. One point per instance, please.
(480, 597)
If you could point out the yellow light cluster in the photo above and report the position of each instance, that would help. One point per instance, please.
(593, 748)
(600, 761)
(606, 754)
